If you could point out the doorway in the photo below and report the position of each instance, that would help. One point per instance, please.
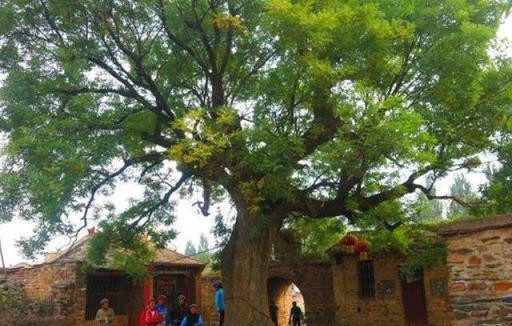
(172, 285)
(282, 293)
(413, 294)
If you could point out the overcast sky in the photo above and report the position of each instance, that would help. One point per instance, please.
(190, 222)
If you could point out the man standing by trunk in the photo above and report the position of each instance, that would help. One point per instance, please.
(219, 302)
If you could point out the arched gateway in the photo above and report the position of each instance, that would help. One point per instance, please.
(314, 279)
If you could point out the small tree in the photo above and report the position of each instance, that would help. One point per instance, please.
(190, 250)
(425, 210)
(497, 194)
(461, 189)
(203, 248)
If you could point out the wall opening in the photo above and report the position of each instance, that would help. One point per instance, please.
(114, 286)
(281, 294)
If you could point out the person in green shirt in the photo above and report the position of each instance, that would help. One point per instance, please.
(105, 315)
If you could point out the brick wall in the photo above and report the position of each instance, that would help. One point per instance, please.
(480, 264)
(439, 307)
(61, 285)
(386, 308)
(207, 292)
(53, 284)
(381, 310)
(39, 281)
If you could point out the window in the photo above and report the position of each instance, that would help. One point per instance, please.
(115, 287)
(366, 279)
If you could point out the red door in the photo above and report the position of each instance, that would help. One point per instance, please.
(414, 300)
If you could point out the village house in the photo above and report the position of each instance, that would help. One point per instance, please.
(473, 286)
(61, 282)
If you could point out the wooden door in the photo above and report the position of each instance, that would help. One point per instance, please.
(413, 295)
(172, 285)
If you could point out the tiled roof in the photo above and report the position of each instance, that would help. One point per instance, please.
(77, 253)
(167, 256)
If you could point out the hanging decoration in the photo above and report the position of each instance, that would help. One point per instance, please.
(361, 248)
(348, 242)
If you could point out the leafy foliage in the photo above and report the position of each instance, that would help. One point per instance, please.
(425, 210)
(317, 236)
(423, 249)
(497, 195)
(123, 250)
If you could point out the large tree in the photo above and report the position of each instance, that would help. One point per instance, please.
(311, 108)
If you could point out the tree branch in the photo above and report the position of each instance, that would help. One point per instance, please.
(164, 200)
(151, 157)
(430, 196)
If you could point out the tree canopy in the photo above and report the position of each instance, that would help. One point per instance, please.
(312, 105)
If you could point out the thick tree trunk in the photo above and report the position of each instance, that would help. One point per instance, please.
(245, 263)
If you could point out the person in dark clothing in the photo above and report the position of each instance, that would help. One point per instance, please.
(193, 317)
(295, 314)
(180, 311)
(273, 311)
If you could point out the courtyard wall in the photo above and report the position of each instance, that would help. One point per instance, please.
(480, 265)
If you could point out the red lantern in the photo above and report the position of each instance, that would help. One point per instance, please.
(362, 248)
(349, 241)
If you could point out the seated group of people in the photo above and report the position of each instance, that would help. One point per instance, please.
(157, 314)
(181, 315)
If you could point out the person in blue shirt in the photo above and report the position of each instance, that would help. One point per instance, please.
(193, 317)
(163, 309)
(219, 302)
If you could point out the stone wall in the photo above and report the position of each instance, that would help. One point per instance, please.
(480, 264)
(52, 284)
